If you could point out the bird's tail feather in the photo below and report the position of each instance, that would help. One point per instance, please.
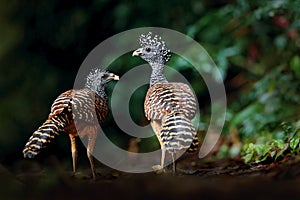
(43, 135)
(178, 133)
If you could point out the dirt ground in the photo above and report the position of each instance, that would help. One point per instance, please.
(209, 178)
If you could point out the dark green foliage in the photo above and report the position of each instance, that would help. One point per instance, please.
(255, 45)
(273, 99)
(272, 149)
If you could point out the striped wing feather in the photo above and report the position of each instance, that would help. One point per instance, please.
(84, 105)
(61, 103)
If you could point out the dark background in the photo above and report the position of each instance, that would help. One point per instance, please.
(255, 45)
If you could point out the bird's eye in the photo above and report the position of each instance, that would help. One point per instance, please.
(105, 76)
(148, 49)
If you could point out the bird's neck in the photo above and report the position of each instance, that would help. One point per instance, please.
(99, 90)
(157, 75)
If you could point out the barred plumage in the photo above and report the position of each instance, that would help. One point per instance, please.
(163, 98)
(177, 132)
(44, 134)
(170, 107)
(76, 112)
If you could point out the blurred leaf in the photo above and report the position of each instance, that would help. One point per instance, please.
(294, 143)
(295, 65)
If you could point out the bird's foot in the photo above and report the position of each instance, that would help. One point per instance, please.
(158, 169)
(77, 175)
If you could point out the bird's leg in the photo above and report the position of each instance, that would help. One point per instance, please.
(74, 152)
(156, 126)
(89, 151)
(174, 162)
(160, 168)
(163, 155)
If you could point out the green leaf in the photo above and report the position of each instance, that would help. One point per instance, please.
(294, 143)
(273, 153)
(295, 65)
(266, 150)
(248, 157)
(281, 151)
(264, 158)
(278, 143)
(259, 149)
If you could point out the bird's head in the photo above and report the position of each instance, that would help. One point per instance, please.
(153, 49)
(98, 78)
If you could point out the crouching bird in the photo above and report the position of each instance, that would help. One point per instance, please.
(170, 106)
(78, 113)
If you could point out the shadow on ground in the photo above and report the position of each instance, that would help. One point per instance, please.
(210, 178)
